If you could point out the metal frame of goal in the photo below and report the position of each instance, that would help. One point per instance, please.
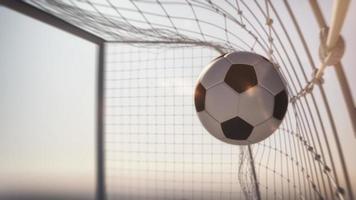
(149, 143)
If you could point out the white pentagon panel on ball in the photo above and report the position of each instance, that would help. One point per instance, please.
(215, 72)
(264, 130)
(268, 77)
(221, 102)
(235, 142)
(256, 105)
(243, 57)
(211, 125)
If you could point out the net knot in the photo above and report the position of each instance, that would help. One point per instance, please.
(317, 79)
(330, 55)
(269, 22)
(309, 88)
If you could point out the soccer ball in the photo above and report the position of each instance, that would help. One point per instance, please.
(240, 98)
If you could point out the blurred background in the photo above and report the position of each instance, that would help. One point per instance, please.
(47, 107)
(47, 84)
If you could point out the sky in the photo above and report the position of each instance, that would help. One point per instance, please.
(47, 108)
(47, 105)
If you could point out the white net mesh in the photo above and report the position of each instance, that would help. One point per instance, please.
(156, 148)
(155, 143)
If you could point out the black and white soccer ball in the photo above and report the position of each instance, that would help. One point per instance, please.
(240, 98)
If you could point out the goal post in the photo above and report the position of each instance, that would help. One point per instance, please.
(149, 143)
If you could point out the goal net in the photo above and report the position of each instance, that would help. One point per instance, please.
(155, 146)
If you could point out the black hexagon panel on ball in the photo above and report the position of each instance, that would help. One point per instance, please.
(241, 98)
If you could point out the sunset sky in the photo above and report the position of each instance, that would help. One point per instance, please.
(47, 104)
